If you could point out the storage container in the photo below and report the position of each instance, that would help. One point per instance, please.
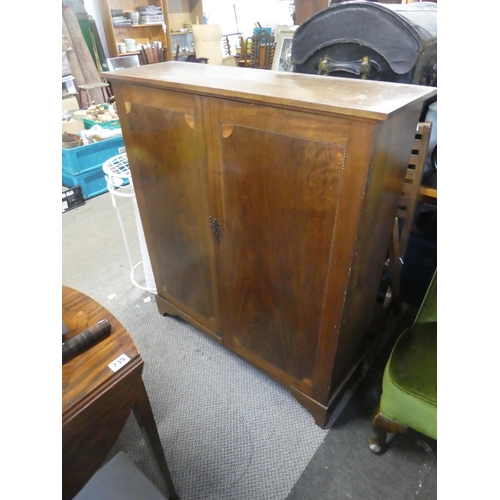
(85, 158)
(112, 124)
(83, 165)
(72, 198)
(92, 182)
(89, 123)
(399, 42)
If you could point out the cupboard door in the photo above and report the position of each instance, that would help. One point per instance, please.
(280, 181)
(167, 155)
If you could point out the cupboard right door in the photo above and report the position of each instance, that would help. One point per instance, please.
(280, 181)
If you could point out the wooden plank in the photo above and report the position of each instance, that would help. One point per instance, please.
(428, 191)
(427, 195)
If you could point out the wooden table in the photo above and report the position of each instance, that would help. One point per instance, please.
(100, 387)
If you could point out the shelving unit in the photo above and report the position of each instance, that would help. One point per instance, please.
(183, 38)
(177, 15)
(142, 33)
(181, 13)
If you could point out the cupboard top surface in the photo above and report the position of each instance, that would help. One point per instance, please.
(360, 98)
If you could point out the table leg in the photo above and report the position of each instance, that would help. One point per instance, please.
(144, 415)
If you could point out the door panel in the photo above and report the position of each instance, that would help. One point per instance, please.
(168, 164)
(279, 204)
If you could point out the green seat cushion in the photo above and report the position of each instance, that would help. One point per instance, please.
(409, 385)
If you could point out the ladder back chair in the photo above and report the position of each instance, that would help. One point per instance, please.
(401, 231)
(406, 210)
(258, 51)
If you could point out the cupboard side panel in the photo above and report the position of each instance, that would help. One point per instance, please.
(350, 206)
(164, 139)
(391, 154)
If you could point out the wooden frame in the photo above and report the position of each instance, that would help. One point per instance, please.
(281, 61)
(122, 62)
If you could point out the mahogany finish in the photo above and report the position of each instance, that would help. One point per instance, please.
(382, 426)
(96, 401)
(267, 201)
(304, 9)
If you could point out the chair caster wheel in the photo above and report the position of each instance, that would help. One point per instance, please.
(375, 446)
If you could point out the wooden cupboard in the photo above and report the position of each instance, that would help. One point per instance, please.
(267, 201)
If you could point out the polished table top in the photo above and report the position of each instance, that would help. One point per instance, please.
(100, 387)
(88, 373)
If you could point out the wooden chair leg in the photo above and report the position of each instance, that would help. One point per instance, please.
(381, 426)
(395, 266)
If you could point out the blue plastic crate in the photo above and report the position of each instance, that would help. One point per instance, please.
(77, 161)
(92, 182)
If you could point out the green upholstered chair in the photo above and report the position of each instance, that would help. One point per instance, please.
(409, 383)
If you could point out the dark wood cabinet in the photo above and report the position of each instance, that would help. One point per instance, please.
(304, 9)
(267, 201)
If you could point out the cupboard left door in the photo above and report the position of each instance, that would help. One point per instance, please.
(167, 154)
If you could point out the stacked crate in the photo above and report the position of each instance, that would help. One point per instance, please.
(82, 166)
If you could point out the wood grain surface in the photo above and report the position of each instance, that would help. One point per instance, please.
(96, 401)
(345, 96)
(267, 201)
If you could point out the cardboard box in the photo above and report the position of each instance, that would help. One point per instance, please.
(70, 103)
(73, 126)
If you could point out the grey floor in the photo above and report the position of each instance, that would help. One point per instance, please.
(228, 431)
(344, 468)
